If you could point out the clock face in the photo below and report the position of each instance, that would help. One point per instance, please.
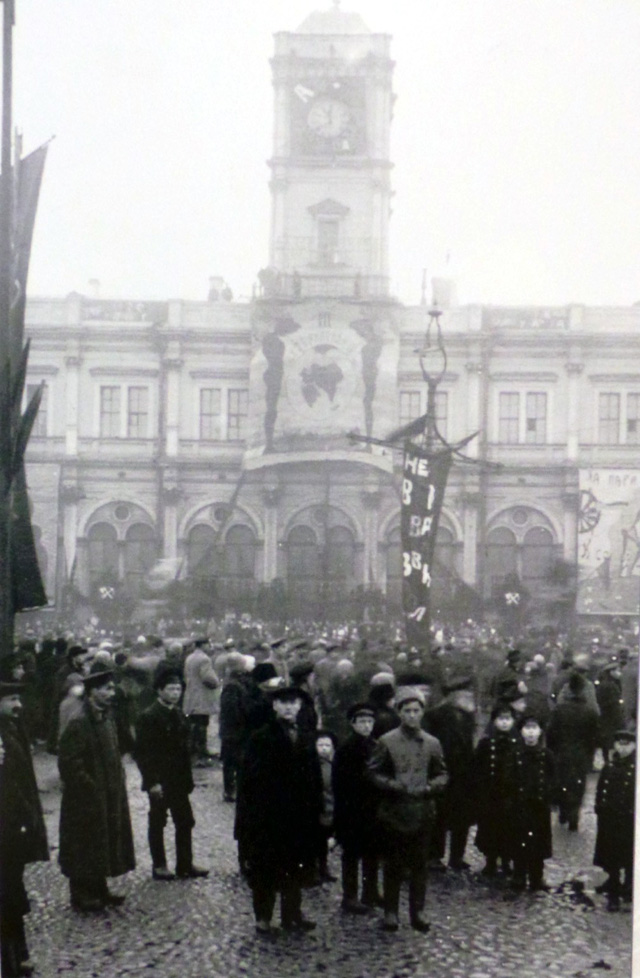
(328, 117)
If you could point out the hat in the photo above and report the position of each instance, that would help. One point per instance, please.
(625, 735)
(383, 679)
(360, 710)
(285, 693)
(455, 685)
(513, 655)
(75, 650)
(166, 673)
(502, 706)
(407, 694)
(299, 672)
(8, 685)
(264, 671)
(413, 679)
(98, 676)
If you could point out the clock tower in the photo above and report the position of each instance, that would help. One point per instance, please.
(330, 168)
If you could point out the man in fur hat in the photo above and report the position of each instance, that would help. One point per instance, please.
(23, 838)
(96, 840)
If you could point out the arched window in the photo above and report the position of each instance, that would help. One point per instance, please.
(303, 555)
(538, 556)
(201, 551)
(103, 553)
(140, 552)
(502, 557)
(239, 553)
(340, 554)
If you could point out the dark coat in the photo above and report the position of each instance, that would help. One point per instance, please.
(162, 750)
(234, 720)
(609, 696)
(572, 736)
(614, 806)
(95, 828)
(279, 805)
(354, 816)
(454, 728)
(23, 837)
(533, 775)
(494, 792)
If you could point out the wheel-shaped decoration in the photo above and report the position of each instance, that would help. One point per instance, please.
(589, 512)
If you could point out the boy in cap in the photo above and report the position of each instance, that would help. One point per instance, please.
(615, 808)
(493, 763)
(23, 837)
(533, 783)
(354, 813)
(163, 756)
(408, 769)
(279, 805)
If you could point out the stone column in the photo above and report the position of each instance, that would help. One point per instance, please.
(574, 370)
(173, 365)
(72, 386)
(371, 503)
(271, 496)
(475, 413)
(171, 496)
(471, 500)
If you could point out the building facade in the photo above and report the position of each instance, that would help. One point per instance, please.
(212, 436)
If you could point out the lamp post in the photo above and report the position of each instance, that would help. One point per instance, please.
(433, 364)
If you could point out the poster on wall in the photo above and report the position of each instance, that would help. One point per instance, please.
(317, 374)
(609, 542)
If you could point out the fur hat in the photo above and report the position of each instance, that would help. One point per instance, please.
(408, 694)
(264, 671)
(166, 673)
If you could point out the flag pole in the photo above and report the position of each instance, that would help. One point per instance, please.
(6, 215)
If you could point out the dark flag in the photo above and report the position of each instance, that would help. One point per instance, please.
(26, 581)
(424, 480)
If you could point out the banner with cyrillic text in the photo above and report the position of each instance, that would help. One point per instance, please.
(424, 480)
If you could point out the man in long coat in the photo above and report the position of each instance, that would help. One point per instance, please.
(452, 722)
(95, 829)
(572, 736)
(23, 838)
(279, 800)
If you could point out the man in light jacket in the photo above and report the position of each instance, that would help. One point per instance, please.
(408, 769)
(200, 702)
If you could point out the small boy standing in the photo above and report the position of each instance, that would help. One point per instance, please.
(615, 798)
(355, 811)
(163, 756)
(494, 794)
(533, 783)
(326, 748)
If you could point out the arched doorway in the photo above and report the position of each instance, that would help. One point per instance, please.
(140, 554)
(202, 560)
(102, 541)
(239, 567)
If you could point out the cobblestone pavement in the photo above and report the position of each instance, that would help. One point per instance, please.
(205, 929)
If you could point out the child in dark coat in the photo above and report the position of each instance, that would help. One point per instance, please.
(533, 783)
(325, 748)
(615, 798)
(493, 766)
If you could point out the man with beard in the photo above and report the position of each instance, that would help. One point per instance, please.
(280, 796)
(95, 829)
(23, 837)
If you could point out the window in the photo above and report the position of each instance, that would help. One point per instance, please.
(633, 419)
(109, 412)
(509, 419)
(535, 432)
(410, 406)
(137, 412)
(210, 414)
(328, 240)
(39, 429)
(609, 419)
(237, 414)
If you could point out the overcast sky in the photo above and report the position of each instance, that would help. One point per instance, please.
(516, 140)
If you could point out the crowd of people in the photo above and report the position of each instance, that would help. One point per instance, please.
(341, 735)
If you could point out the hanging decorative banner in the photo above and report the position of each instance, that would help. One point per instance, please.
(424, 480)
